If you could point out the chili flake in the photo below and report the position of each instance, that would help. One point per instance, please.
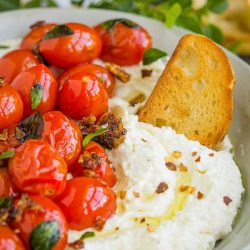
(227, 200)
(162, 187)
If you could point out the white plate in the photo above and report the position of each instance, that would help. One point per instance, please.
(15, 24)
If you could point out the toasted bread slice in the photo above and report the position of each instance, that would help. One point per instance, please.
(194, 93)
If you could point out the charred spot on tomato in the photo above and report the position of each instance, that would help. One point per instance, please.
(89, 160)
(30, 128)
(44, 236)
(37, 24)
(58, 31)
(110, 24)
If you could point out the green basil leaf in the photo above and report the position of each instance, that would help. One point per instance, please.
(189, 22)
(151, 55)
(77, 3)
(90, 136)
(58, 31)
(9, 4)
(36, 95)
(44, 236)
(5, 201)
(214, 33)
(4, 46)
(7, 154)
(33, 4)
(172, 14)
(234, 46)
(217, 6)
(110, 24)
(30, 128)
(87, 234)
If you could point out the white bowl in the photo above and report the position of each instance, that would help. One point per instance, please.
(15, 24)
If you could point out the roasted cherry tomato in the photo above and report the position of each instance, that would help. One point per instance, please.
(82, 95)
(6, 186)
(9, 240)
(103, 74)
(35, 211)
(65, 52)
(36, 34)
(37, 168)
(124, 41)
(86, 202)
(37, 80)
(11, 106)
(15, 62)
(95, 160)
(62, 134)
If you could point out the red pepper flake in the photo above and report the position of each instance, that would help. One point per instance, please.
(194, 153)
(144, 140)
(211, 155)
(227, 200)
(142, 220)
(183, 168)
(117, 228)
(136, 194)
(199, 195)
(146, 73)
(198, 159)
(162, 187)
(171, 166)
(122, 194)
(150, 228)
(99, 223)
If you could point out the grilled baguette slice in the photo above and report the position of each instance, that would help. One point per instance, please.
(194, 93)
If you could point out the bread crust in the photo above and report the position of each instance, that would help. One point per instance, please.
(194, 93)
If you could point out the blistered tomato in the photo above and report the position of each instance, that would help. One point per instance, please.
(38, 89)
(9, 240)
(95, 159)
(36, 34)
(62, 134)
(37, 168)
(41, 224)
(124, 42)
(86, 202)
(11, 106)
(64, 52)
(15, 62)
(102, 73)
(82, 95)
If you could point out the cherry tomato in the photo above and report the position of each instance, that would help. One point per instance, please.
(82, 95)
(103, 74)
(35, 35)
(42, 210)
(65, 52)
(124, 42)
(86, 202)
(9, 240)
(15, 62)
(62, 134)
(6, 186)
(37, 168)
(94, 158)
(37, 75)
(11, 106)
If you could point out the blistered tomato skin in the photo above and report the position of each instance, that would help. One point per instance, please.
(6, 186)
(85, 202)
(15, 62)
(94, 158)
(82, 95)
(102, 73)
(47, 211)
(35, 35)
(11, 106)
(9, 240)
(37, 168)
(62, 134)
(83, 46)
(123, 45)
(27, 79)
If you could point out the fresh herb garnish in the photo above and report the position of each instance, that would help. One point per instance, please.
(36, 94)
(214, 33)
(151, 55)
(30, 128)
(5, 201)
(7, 154)
(58, 31)
(90, 136)
(87, 234)
(44, 236)
(4, 46)
(77, 3)
(110, 24)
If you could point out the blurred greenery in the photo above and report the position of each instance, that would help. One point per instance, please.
(170, 12)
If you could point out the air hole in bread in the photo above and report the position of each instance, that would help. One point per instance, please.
(213, 63)
(199, 85)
